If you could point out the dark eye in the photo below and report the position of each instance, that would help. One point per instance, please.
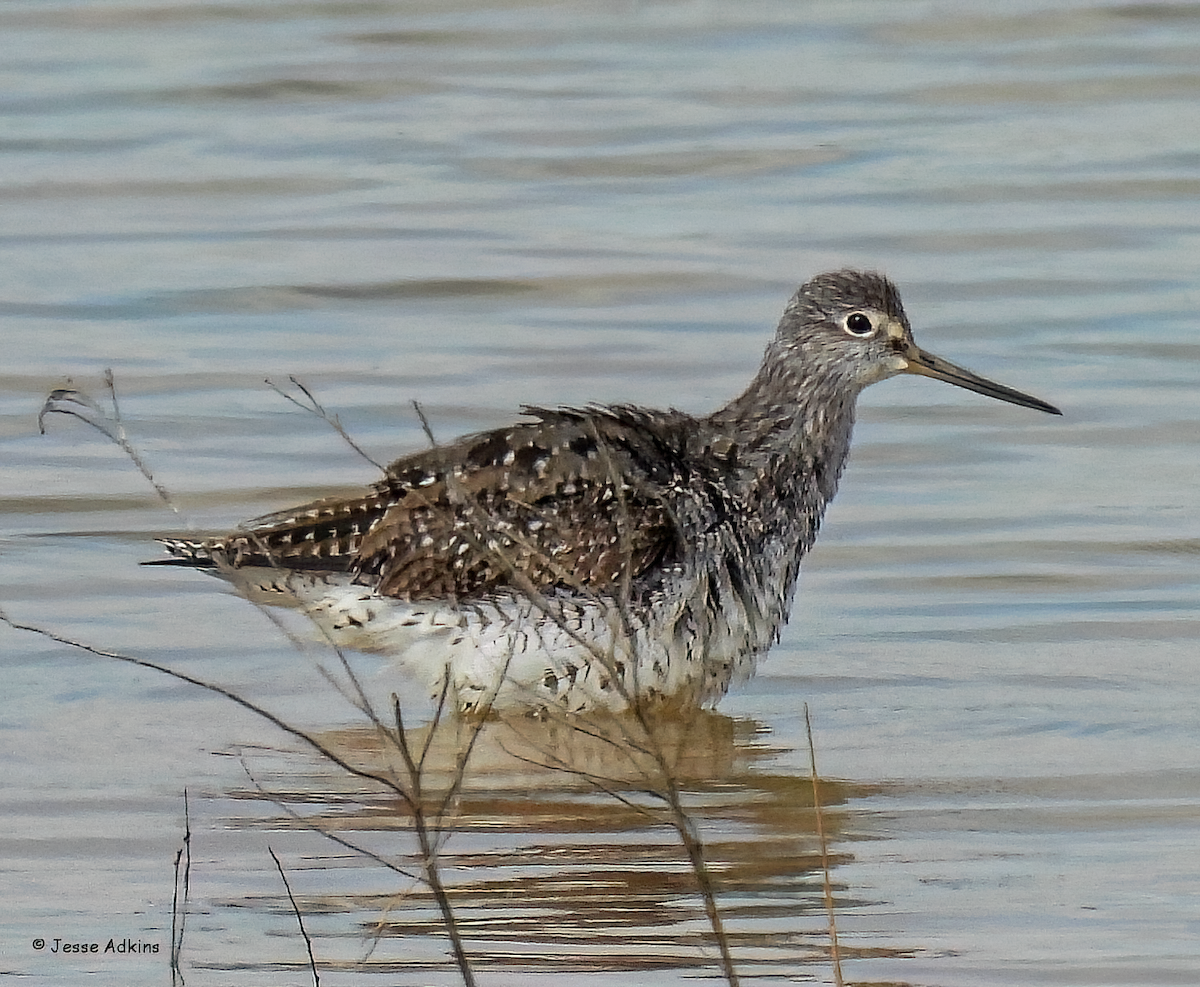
(858, 324)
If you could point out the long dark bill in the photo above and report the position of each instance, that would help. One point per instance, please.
(928, 365)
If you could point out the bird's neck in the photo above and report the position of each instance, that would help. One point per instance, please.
(788, 436)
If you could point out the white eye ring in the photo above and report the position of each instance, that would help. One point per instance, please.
(858, 324)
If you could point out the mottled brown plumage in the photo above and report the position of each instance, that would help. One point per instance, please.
(573, 499)
(594, 557)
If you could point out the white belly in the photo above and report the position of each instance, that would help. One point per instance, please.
(509, 653)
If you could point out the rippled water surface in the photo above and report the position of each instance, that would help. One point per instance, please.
(477, 205)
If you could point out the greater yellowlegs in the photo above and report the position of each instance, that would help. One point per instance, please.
(588, 558)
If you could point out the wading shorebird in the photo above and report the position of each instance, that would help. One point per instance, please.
(592, 558)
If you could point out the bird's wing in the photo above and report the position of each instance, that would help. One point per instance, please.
(558, 502)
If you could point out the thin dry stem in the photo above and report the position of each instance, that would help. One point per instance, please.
(316, 408)
(312, 960)
(834, 950)
(424, 423)
(178, 903)
(439, 710)
(77, 404)
(428, 837)
(321, 748)
(429, 850)
(333, 837)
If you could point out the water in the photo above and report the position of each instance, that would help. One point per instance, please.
(476, 206)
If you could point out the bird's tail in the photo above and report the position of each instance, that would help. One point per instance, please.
(187, 552)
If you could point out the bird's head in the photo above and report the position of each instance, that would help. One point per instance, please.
(848, 328)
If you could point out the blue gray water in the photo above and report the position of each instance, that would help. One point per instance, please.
(478, 205)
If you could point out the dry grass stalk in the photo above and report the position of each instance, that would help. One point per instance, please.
(316, 408)
(834, 950)
(312, 960)
(179, 897)
(77, 404)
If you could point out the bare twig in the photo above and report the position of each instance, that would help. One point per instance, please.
(333, 837)
(834, 951)
(111, 381)
(77, 404)
(321, 748)
(312, 960)
(437, 718)
(411, 797)
(316, 408)
(606, 785)
(178, 903)
(693, 845)
(429, 832)
(424, 423)
(429, 851)
(682, 822)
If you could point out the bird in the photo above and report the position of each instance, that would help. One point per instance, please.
(600, 557)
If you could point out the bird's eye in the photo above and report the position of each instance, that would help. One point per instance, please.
(858, 324)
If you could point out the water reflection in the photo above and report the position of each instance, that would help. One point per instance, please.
(559, 846)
